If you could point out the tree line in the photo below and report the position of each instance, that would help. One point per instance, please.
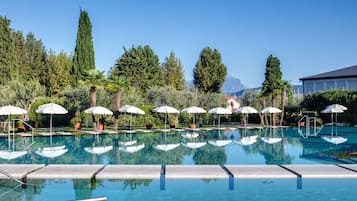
(30, 72)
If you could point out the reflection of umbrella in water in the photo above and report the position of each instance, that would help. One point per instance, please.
(219, 111)
(219, 142)
(51, 152)
(11, 110)
(194, 145)
(247, 140)
(166, 110)
(166, 147)
(9, 155)
(98, 149)
(194, 110)
(270, 110)
(132, 148)
(334, 109)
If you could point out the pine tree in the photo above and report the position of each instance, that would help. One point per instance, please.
(209, 73)
(173, 72)
(83, 59)
(141, 66)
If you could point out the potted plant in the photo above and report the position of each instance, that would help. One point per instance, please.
(173, 121)
(76, 122)
(149, 122)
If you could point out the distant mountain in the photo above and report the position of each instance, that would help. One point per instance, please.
(297, 91)
(232, 84)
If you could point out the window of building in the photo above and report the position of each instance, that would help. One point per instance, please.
(341, 84)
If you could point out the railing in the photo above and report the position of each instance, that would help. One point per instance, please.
(307, 124)
(27, 124)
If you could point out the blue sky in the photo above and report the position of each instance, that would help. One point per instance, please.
(308, 36)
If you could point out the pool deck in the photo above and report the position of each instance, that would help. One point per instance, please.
(40, 171)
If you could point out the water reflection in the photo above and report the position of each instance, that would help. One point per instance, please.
(109, 149)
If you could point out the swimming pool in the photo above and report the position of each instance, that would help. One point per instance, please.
(91, 149)
(184, 190)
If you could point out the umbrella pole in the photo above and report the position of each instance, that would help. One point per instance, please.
(51, 129)
(219, 122)
(8, 130)
(336, 124)
(13, 136)
(131, 119)
(165, 121)
(331, 124)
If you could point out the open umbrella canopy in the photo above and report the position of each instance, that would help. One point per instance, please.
(270, 110)
(131, 109)
(165, 109)
(11, 110)
(98, 110)
(51, 108)
(334, 108)
(219, 110)
(247, 110)
(194, 110)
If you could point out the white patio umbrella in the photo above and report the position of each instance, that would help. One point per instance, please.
(334, 109)
(270, 110)
(166, 110)
(246, 110)
(219, 111)
(11, 110)
(194, 110)
(98, 110)
(51, 108)
(131, 110)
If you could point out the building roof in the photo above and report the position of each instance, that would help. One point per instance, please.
(340, 73)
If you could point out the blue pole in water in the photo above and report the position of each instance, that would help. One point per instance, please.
(162, 176)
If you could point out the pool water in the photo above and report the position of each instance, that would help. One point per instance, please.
(184, 190)
(292, 149)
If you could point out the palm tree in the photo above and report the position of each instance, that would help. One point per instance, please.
(115, 85)
(284, 86)
(94, 78)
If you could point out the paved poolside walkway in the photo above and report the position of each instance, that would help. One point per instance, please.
(40, 171)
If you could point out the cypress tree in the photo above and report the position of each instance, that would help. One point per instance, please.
(83, 59)
(173, 72)
(7, 51)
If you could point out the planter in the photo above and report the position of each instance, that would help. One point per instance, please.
(21, 128)
(77, 126)
(192, 125)
(149, 126)
(100, 127)
(172, 125)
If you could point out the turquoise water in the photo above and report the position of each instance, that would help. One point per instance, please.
(292, 149)
(185, 190)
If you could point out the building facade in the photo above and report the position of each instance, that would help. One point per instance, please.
(345, 78)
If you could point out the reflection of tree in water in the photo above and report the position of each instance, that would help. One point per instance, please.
(210, 155)
(11, 190)
(275, 153)
(133, 183)
(82, 188)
